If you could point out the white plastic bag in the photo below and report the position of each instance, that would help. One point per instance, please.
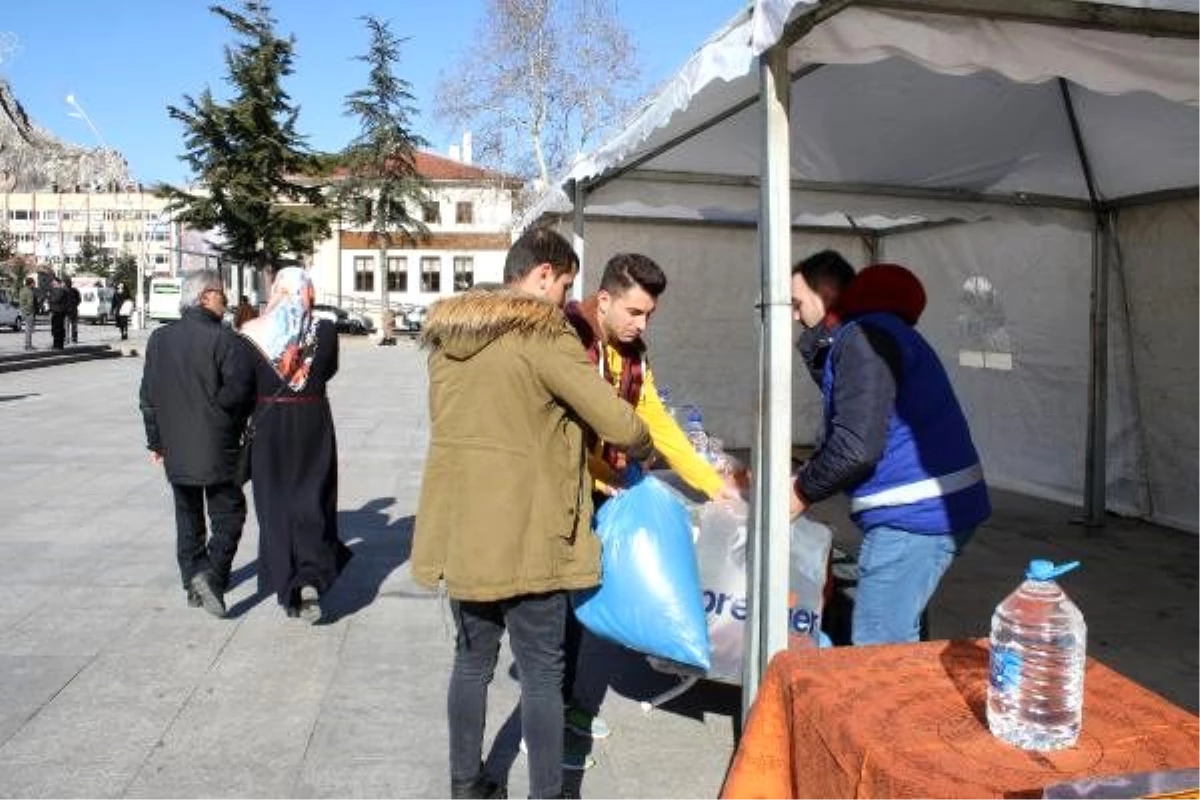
(721, 551)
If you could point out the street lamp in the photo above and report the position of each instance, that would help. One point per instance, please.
(79, 113)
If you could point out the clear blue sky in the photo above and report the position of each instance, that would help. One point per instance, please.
(126, 60)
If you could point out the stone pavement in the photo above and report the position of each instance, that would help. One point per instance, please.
(111, 686)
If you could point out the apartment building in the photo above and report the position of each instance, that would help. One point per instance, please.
(51, 226)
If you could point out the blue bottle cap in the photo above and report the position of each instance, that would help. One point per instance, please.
(1041, 570)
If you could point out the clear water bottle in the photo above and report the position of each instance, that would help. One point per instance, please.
(693, 428)
(1038, 653)
(664, 395)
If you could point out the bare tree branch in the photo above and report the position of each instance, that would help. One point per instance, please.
(543, 80)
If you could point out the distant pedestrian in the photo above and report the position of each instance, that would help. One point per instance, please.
(57, 303)
(293, 461)
(122, 308)
(244, 313)
(27, 299)
(73, 301)
(195, 397)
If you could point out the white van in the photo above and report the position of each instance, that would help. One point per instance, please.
(95, 304)
(10, 312)
(163, 303)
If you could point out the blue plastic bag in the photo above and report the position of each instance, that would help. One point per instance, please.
(650, 599)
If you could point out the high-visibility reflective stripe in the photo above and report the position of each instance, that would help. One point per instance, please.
(920, 490)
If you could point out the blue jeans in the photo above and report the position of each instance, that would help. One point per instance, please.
(535, 626)
(898, 572)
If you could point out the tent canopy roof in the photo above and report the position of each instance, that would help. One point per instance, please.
(970, 96)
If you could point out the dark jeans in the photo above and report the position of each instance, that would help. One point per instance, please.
(226, 511)
(58, 329)
(73, 327)
(535, 633)
(123, 326)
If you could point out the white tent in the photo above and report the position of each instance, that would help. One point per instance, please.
(1034, 162)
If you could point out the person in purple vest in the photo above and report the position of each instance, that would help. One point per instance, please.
(896, 441)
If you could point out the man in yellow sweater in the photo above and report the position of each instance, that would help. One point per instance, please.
(610, 324)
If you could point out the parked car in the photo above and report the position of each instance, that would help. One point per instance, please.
(10, 312)
(343, 321)
(411, 318)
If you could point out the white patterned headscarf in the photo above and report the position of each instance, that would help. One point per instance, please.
(286, 333)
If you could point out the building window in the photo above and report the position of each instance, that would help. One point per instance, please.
(983, 340)
(397, 274)
(364, 274)
(464, 213)
(431, 274)
(431, 211)
(464, 273)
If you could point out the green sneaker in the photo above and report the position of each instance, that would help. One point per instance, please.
(574, 760)
(580, 722)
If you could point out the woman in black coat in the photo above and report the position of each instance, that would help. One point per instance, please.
(293, 462)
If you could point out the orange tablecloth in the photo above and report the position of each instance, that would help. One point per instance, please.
(909, 721)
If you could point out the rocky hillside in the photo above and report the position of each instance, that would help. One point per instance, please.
(32, 159)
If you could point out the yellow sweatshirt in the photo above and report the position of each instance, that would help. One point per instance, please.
(669, 439)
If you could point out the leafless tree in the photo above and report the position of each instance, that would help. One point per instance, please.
(541, 82)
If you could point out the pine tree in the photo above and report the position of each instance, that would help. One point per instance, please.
(381, 184)
(125, 270)
(260, 184)
(92, 257)
(8, 244)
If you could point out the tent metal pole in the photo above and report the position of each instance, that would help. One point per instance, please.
(1095, 479)
(767, 627)
(578, 193)
(1146, 494)
(1018, 199)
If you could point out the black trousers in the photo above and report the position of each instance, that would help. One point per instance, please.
(227, 513)
(73, 326)
(585, 679)
(58, 329)
(535, 634)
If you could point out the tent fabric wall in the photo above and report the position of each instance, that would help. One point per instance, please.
(1160, 255)
(1028, 422)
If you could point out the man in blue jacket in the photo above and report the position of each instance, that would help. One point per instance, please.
(896, 441)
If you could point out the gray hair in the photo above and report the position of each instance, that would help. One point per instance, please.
(195, 284)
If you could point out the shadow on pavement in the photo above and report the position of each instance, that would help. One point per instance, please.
(380, 546)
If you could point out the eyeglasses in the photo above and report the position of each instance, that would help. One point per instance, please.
(218, 291)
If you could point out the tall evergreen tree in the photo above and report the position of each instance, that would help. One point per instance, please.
(93, 259)
(258, 177)
(8, 244)
(381, 186)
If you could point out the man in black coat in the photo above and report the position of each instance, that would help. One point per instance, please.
(196, 394)
(56, 300)
(73, 301)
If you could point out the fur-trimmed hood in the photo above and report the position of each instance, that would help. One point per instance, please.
(464, 324)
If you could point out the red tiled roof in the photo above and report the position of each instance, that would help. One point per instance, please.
(439, 168)
(434, 167)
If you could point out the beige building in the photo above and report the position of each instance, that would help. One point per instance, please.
(469, 218)
(52, 226)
